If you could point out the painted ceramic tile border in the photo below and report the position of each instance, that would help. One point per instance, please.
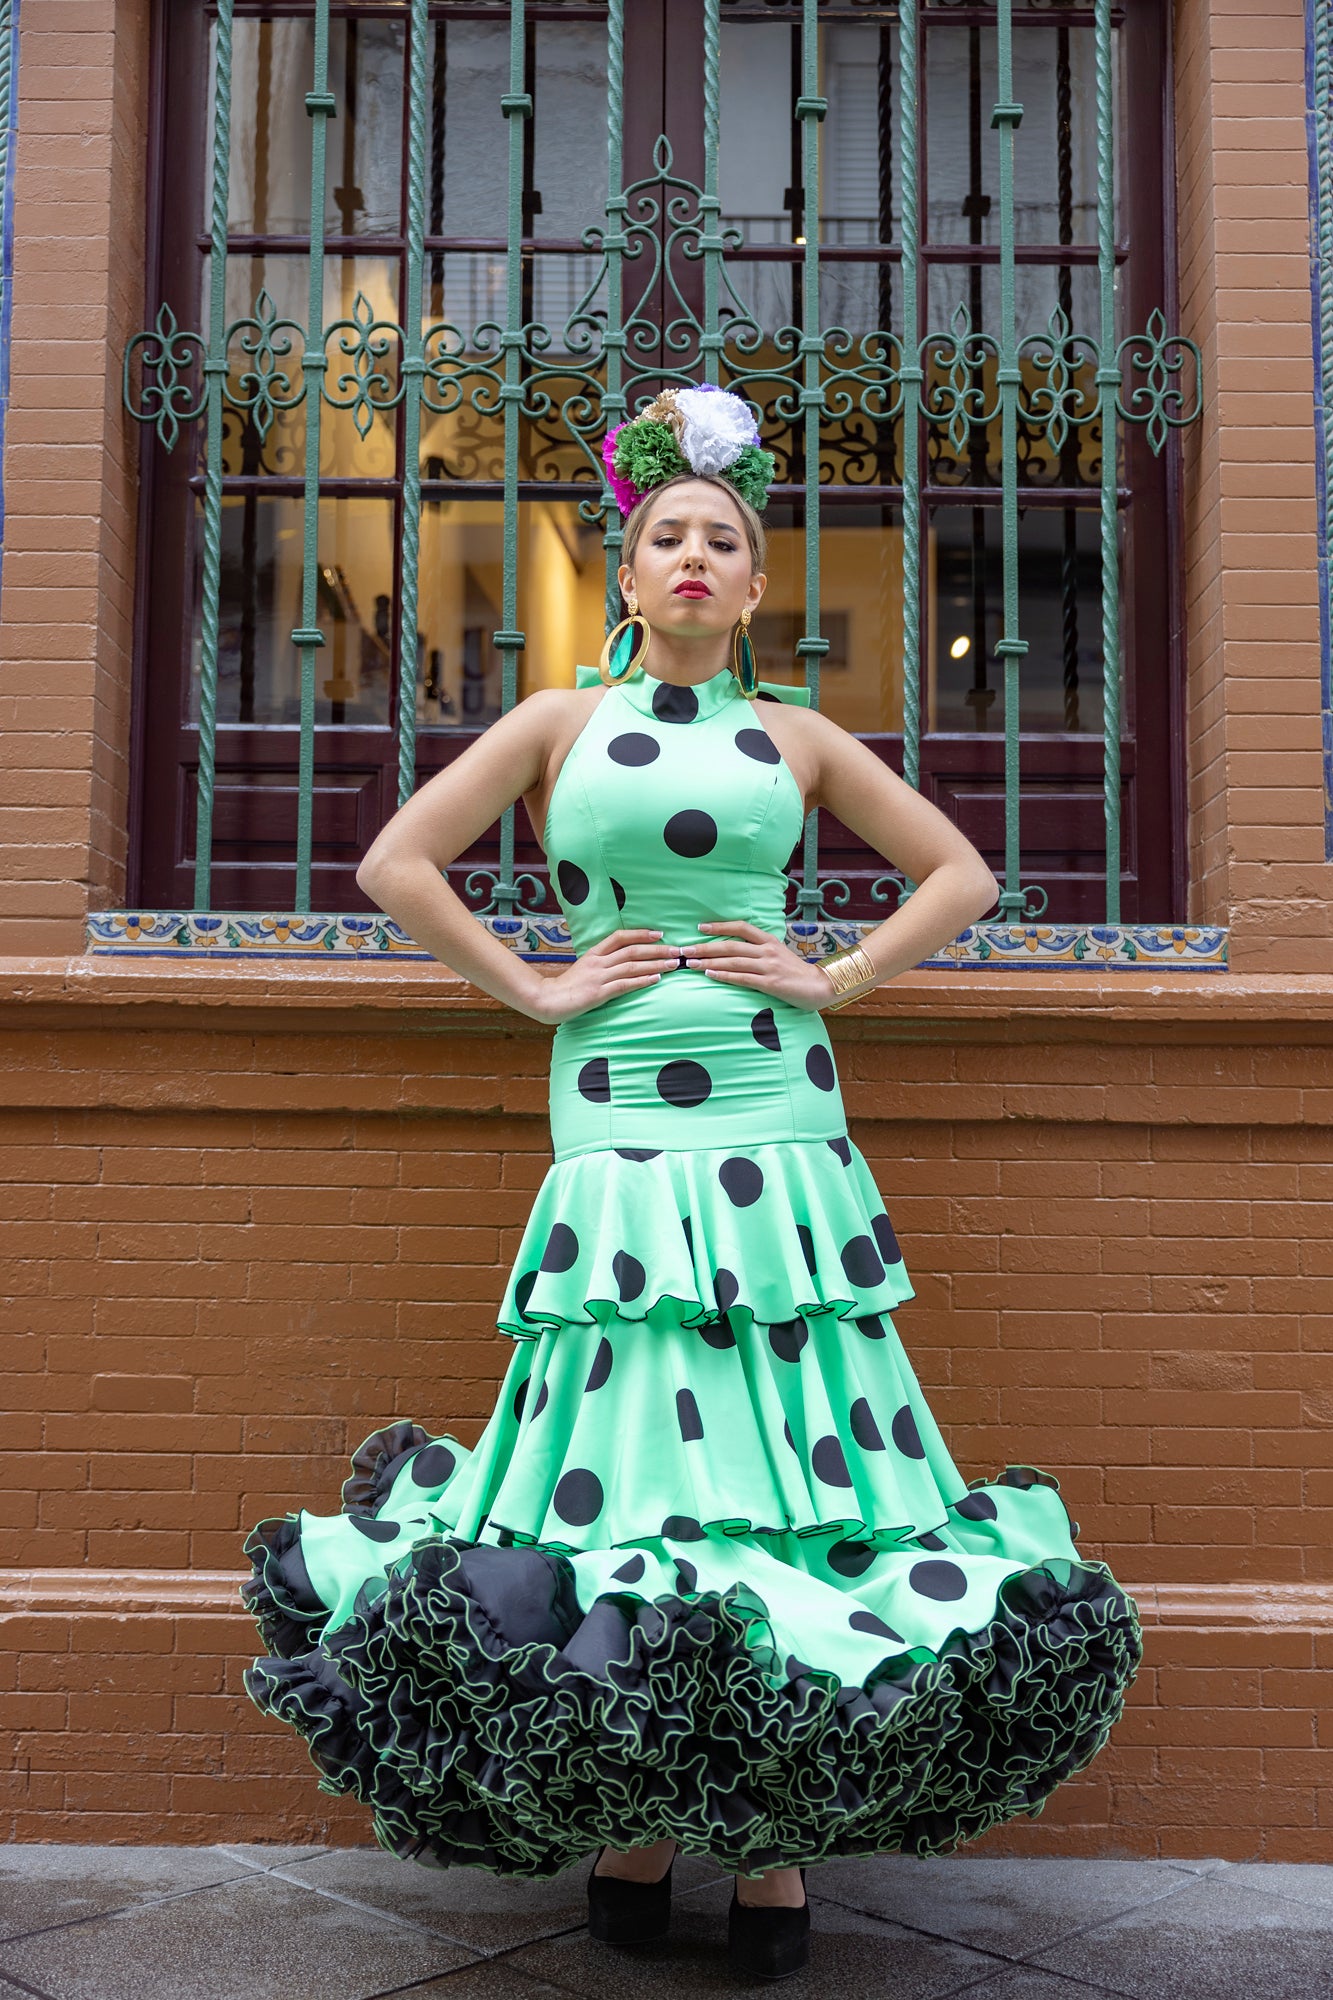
(273, 934)
(9, 111)
(1319, 135)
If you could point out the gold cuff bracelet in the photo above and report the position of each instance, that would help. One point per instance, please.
(850, 973)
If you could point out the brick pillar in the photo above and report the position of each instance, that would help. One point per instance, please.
(1253, 708)
(70, 468)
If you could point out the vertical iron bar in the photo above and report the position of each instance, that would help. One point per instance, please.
(810, 111)
(613, 340)
(710, 206)
(414, 369)
(1006, 117)
(1108, 383)
(1064, 181)
(215, 376)
(909, 169)
(516, 105)
(321, 106)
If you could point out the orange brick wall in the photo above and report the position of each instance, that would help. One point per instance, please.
(1255, 774)
(251, 1216)
(70, 469)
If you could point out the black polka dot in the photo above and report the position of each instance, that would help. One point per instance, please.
(931, 1541)
(764, 695)
(796, 1668)
(562, 1249)
(684, 1082)
(864, 1428)
(860, 1260)
(718, 1333)
(432, 1465)
(726, 1288)
(807, 1247)
(574, 884)
(906, 1435)
(851, 1558)
(742, 1181)
(887, 1241)
(765, 1030)
(843, 1149)
(633, 748)
(943, 1581)
(829, 1462)
(618, 893)
(819, 1067)
(687, 1416)
(872, 1326)
(787, 1337)
(639, 1152)
(674, 704)
(682, 1528)
(601, 1365)
(757, 743)
(976, 1507)
(578, 1497)
(866, 1621)
(786, 1432)
(523, 1291)
(375, 1530)
(631, 1571)
(690, 833)
(629, 1275)
(595, 1080)
(687, 1228)
(521, 1397)
(687, 1578)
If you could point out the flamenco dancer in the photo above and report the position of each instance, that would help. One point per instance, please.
(709, 1581)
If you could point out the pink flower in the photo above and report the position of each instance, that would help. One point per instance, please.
(627, 495)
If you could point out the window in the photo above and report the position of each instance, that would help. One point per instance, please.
(921, 503)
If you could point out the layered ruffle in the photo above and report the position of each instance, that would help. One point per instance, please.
(522, 1655)
(774, 1232)
(488, 1716)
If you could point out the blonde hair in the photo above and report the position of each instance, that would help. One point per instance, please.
(636, 520)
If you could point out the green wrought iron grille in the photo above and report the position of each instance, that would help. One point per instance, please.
(666, 286)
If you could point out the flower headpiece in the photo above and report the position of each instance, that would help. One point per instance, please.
(704, 430)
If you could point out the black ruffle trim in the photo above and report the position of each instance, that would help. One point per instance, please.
(487, 1720)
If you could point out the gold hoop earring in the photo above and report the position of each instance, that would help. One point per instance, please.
(624, 651)
(743, 662)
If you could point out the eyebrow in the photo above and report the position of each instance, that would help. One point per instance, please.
(715, 527)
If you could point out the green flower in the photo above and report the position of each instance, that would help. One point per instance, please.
(647, 454)
(752, 474)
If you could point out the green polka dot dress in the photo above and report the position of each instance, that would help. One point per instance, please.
(710, 1571)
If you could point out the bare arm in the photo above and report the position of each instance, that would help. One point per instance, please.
(402, 871)
(955, 886)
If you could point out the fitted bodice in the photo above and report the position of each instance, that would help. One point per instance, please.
(674, 808)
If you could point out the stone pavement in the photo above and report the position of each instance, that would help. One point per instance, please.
(309, 1923)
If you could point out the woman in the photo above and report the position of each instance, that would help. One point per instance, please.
(709, 1579)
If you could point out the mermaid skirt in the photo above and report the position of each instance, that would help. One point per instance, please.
(708, 1573)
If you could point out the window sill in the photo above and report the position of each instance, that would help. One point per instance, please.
(377, 940)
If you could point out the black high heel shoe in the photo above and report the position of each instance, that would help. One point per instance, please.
(624, 1912)
(768, 1941)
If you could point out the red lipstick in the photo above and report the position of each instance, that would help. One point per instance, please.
(692, 589)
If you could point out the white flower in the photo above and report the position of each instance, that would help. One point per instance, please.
(715, 428)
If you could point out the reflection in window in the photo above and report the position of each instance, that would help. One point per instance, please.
(259, 669)
(1060, 677)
